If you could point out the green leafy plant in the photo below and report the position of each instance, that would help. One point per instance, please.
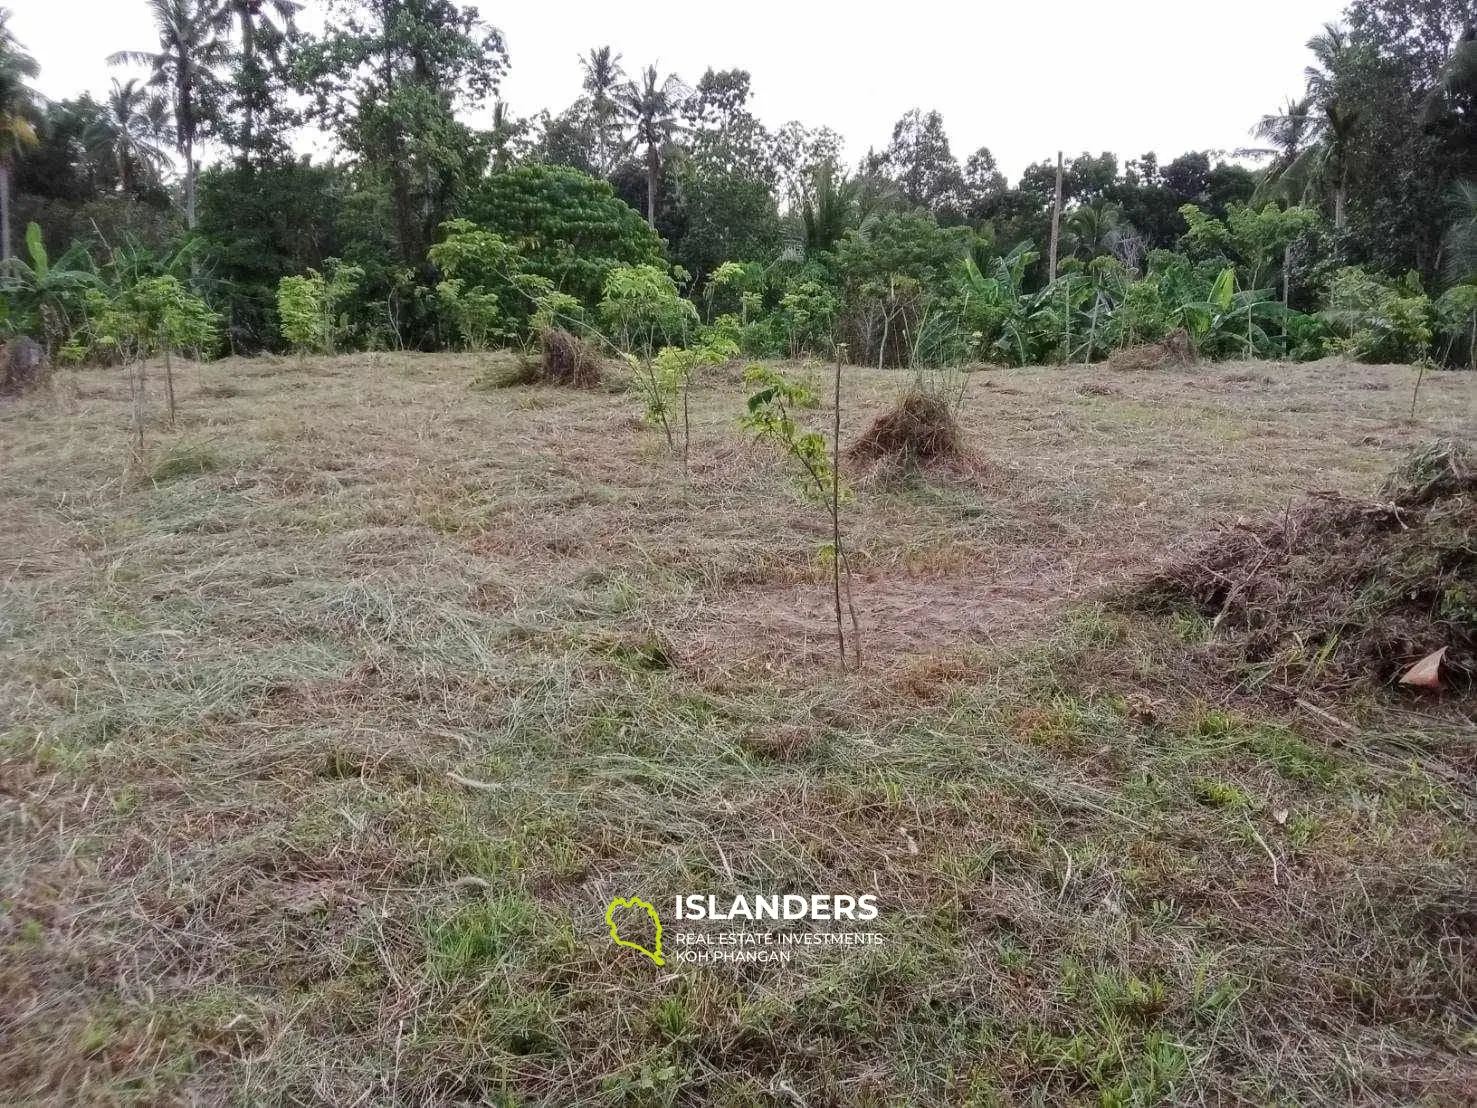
(568, 227)
(1456, 313)
(43, 298)
(643, 309)
(1379, 320)
(669, 377)
(161, 316)
(474, 310)
(484, 291)
(307, 307)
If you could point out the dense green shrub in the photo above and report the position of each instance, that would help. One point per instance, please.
(567, 226)
(309, 307)
(1376, 319)
(258, 225)
(1456, 315)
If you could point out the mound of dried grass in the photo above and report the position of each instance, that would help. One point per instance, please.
(563, 359)
(568, 360)
(1339, 591)
(921, 428)
(1174, 350)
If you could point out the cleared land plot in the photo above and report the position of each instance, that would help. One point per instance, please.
(235, 684)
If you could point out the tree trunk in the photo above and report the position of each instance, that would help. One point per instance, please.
(653, 166)
(248, 54)
(190, 182)
(169, 382)
(1056, 220)
(1340, 198)
(835, 507)
(4, 209)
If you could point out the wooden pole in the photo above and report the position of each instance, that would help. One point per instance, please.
(1056, 219)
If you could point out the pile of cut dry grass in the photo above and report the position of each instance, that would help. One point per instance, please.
(568, 360)
(1173, 350)
(919, 429)
(1341, 590)
(564, 359)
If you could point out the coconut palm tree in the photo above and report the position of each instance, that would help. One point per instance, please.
(1335, 118)
(132, 133)
(1288, 134)
(17, 109)
(260, 36)
(651, 108)
(190, 51)
(830, 210)
(602, 82)
(1094, 229)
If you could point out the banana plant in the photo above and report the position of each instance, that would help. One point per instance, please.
(46, 297)
(994, 308)
(1227, 322)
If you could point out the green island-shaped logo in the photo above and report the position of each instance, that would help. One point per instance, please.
(635, 902)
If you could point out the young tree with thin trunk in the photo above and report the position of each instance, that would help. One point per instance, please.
(1056, 220)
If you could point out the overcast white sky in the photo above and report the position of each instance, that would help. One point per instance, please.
(1023, 78)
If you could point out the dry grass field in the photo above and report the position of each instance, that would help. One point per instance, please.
(329, 729)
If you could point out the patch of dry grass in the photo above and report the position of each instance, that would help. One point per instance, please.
(319, 762)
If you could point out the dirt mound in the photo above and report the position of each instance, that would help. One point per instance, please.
(1338, 590)
(920, 428)
(1172, 351)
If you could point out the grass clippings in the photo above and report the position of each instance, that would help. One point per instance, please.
(568, 360)
(318, 774)
(1173, 351)
(1340, 590)
(919, 429)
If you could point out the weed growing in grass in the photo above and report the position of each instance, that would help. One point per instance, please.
(186, 460)
(479, 936)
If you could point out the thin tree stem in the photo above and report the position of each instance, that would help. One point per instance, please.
(836, 553)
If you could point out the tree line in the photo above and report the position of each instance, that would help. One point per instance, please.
(448, 221)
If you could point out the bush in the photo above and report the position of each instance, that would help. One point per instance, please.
(1378, 320)
(1456, 314)
(307, 307)
(570, 228)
